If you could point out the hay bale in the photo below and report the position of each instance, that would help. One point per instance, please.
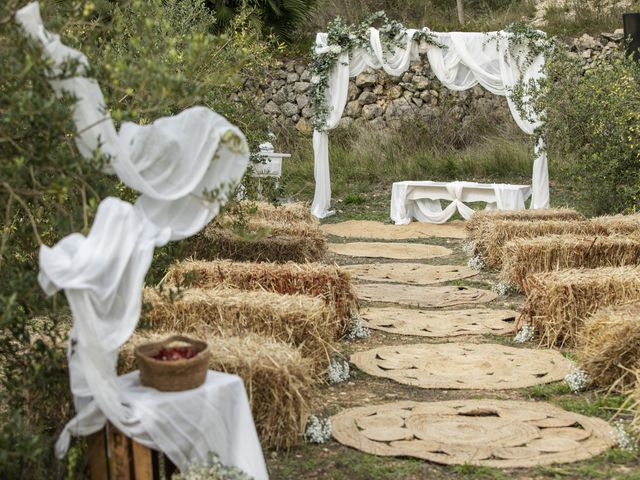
(609, 347)
(278, 380)
(289, 212)
(262, 241)
(559, 302)
(523, 257)
(300, 320)
(481, 217)
(493, 236)
(327, 281)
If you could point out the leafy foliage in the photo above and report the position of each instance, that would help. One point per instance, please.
(152, 58)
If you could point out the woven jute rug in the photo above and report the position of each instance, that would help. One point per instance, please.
(371, 229)
(412, 273)
(493, 433)
(426, 297)
(397, 251)
(448, 323)
(464, 365)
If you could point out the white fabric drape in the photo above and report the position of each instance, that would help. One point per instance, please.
(176, 163)
(469, 59)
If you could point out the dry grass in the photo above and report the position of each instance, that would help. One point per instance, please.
(482, 217)
(278, 380)
(327, 281)
(559, 302)
(524, 257)
(300, 320)
(609, 347)
(261, 240)
(493, 236)
(290, 212)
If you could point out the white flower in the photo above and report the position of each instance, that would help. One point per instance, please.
(468, 247)
(335, 48)
(504, 288)
(623, 438)
(577, 380)
(338, 371)
(352, 36)
(476, 263)
(318, 430)
(213, 469)
(315, 79)
(525, 334)
(357, 329)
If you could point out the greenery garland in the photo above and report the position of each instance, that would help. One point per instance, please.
(344, 38)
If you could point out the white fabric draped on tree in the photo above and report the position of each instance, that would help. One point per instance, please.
(469, 59)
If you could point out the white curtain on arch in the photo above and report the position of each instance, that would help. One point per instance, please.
(469, 59)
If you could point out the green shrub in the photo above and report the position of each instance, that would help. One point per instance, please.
(592, 127)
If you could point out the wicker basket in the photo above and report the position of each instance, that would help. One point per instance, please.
(173, 375)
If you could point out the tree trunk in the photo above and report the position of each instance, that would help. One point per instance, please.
(460, 11)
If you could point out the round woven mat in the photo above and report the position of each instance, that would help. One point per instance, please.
(423, 296)
(463, 365)
(397, 251)
(371, 229)
(448, 323)
(494, 433)
(414, 273)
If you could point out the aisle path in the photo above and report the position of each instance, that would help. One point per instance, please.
(487, 432)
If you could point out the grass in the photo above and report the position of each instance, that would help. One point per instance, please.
(577, 17)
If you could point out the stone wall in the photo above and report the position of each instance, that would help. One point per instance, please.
(378, 101)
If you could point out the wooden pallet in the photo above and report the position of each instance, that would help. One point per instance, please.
(114, 456)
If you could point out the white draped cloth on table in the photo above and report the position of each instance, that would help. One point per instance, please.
(176, 163)
(469, 59)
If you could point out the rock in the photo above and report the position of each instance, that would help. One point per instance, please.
(417, 101)
(280, 97)
(407, 77)
(302, 101)
(307, 112)
(407, 95)
(586, 41)
(291, 96)
(395, 91)
(278, 84)
(304, 126)
(293, 77)
(353, 109)
(430, 113)
(587, 53)
(353, 91)
(290, 66)
(378, 90)
(299, 69)
(345, 122)
(295, 118)
(289, 109)
(408, 86)
(271, 108)
(366, 79)
(282, 74)
(301, 87)
(369, 112)
(420, 82)
(616, 36)
(305, 76)
(425, 96)
(478, 91)
(377, 124)
(398, 109)
(367, 98)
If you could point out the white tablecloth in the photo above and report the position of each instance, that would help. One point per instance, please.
(421, 199)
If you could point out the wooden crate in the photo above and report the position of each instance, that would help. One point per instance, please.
(114, 456)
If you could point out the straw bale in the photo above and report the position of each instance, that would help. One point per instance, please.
(300, 320)
(523, 257)
(278, 380)
(260, 240)
(289, 212)
(493, 236)
(609, 347)
(330, 282)
(481, 217)
(559, 302)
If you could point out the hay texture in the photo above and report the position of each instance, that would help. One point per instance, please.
(410, 273)
(327, 281)
(300, 320)
(526, 256)
(493, 433)
(558, 303)
(277, 378)
(289, 212)
(459, 366)
(396, 251)
(609, 347)
(438, 323)
(483, 217)
(492, 237)
(425, 297)
(260, 240)
(377, 230)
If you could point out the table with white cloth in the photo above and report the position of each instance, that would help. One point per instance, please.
(421, 199)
